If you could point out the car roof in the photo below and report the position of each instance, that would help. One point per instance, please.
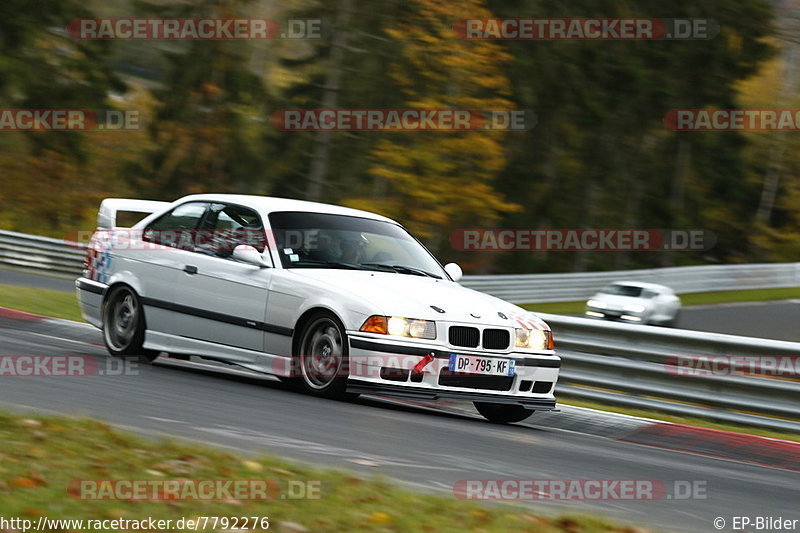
(643, 285)
(271, 204)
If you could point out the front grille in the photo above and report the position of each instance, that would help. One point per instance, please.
(464, 336)
(475, 381)
(496, 339)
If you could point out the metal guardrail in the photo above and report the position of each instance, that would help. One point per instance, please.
(534, 288)
(634, 366)
(41, 253)
(607, 362)
(64, 257)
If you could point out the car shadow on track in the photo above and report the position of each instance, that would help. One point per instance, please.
(231, 373)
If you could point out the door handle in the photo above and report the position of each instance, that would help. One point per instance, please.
(190, 269)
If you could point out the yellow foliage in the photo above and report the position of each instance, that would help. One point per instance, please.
(443, 178)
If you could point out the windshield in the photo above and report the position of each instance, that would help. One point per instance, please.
(321, 240)
(623, 290)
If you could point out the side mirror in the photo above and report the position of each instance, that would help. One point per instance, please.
(248, 254)
(454, 271)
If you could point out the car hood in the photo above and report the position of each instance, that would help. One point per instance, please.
(617, 302)
(411, 296)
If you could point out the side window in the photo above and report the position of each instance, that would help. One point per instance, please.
(228, 226)
(177, 228)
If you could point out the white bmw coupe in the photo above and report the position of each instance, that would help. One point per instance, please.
(333, 300)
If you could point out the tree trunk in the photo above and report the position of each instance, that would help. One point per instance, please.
(771, 180)
(682, 161)
(769, 191)
(330, 99)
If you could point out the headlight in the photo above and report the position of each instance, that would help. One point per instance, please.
(400, 327)
(534, 339)
(634, 308)
(597, 304)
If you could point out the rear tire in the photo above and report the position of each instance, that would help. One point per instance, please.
(124, 325)
(502, 413)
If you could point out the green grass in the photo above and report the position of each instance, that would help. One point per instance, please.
(43, 456)
(40, 301)
(557, 308)
(699, 298)
(689, 421)
(756, 295)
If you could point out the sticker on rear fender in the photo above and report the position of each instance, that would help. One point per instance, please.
(471, 364)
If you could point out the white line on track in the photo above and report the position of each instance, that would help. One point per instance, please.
(83, 343)
(167, 420)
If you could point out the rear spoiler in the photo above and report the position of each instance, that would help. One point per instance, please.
(107, 215)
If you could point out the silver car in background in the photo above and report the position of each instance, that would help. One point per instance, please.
(636, 302)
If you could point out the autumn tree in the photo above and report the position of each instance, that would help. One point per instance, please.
(211, 117)
(346, 69)
(438, 180)
(600, 156)
(45, 184)
(771, 165)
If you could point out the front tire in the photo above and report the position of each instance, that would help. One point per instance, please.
(124, 325)
(502, 413)
(673, 322)
(323, 357)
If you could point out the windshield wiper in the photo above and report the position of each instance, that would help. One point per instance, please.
(334, 264)
(404, 269)
(381, 267)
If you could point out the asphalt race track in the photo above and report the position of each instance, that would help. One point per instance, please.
(428, 450)
(770, 320)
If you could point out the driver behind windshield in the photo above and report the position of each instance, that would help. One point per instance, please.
(352, 249)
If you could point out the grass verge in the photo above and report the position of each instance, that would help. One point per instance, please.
(689, 421)
(42, 456)
(45, 302)
(756, 295)
(699, 298)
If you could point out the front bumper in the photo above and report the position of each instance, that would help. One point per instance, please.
(386, 367)
(615, 315)
(426, 394)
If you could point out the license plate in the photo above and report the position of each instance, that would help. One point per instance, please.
(488, 366)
